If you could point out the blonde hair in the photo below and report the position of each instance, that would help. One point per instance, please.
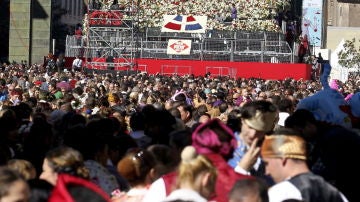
(7, 178)
(193, 166)
(113, 97)
(67, 160)
(24, 167)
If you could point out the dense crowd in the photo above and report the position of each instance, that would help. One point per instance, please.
(148, 137)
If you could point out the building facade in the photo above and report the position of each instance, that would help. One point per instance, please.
(342, 21)
(343, 13)
(75, 11)
(29, 30)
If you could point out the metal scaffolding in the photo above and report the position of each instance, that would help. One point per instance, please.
(110, 38)
(114, 41)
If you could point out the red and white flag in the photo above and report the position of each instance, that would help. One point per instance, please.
(184, 24)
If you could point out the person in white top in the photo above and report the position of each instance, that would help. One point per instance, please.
(284, 154)
(77, 64)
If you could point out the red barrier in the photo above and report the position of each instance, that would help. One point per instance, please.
(240, 69)
(217, 68)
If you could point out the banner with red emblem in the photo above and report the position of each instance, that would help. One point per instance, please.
(178, 47)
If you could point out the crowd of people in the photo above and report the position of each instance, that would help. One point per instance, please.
(77, 135)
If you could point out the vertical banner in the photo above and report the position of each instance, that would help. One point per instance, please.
(312, 21)
(179, 47)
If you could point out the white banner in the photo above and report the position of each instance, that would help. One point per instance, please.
(184, 24)
(312, 21)
(178, 47)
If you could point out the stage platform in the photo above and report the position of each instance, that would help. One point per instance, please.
(225, 68)
(276, 71)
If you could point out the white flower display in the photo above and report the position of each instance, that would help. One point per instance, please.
(252, 15)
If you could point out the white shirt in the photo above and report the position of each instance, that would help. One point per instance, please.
(185, 195)
(282, 117)
(286, 190)
(156, 192)
(77, 62)
(282, 191)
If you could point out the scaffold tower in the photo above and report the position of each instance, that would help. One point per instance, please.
(110, 38)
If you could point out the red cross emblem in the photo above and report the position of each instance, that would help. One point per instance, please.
(179, 46)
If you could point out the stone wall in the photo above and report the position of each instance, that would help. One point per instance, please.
(29, 31)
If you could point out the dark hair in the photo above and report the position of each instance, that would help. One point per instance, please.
(166, 159)
(179, 139)
(40, 190)
(299, 119)
(175, 112)
(180, 97)
(249, 109)
(249, 186)
(285, 105)
(234, 120)
(223, 107)
(2, 82)
(137, 121)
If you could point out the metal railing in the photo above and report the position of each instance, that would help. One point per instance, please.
(236, 47)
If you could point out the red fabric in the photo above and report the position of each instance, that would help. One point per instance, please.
(205, 140)
(226, 177)
(277, 71)
(173, 26)
(72, 83)
(304, 46)
(38, 83)
(78, 33)
(170, 182)
(61, 194)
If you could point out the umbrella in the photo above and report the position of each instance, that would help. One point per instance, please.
(63, 84)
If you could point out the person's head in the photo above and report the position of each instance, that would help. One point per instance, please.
(16, 95)
(304, 122)
(166, 159)
(24, 167)
(214, 136)
(137, 121)
(204, 118)
(286, 105)
(284, 154)
(185, 112)
(257, 119)
(175, 112)
(13, 186)
(196, 172)
(63, 160)
(137, 167)
(249, 190)
(113, 98)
